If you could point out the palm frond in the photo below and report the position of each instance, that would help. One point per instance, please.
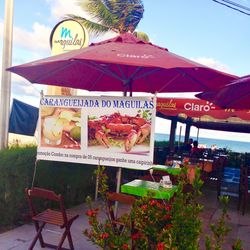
(92, 27)
(117, 15)
(141, 35)
(129, 13)
(99, 11)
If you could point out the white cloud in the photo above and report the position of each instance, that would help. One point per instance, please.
(33, 41)
(21, 87)
(1, 29)
(60, 8)
(24, 88)
(34, 44)
(244, 1)
(37, 39)
(212, 63)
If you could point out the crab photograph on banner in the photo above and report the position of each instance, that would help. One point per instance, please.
(120, 132)
(114, 131)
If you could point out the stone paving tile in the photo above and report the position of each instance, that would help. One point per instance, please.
(244, 234)
(234, 216)
(239, 224)
(208, 213)
(245, 219)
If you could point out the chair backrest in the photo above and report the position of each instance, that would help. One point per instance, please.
(118, 197)
(123, 198)
(244, 172)
(246, 159)
(44, 194)
(220, 163)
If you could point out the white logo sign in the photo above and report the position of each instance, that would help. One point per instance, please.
(135, 56)
(190, 106)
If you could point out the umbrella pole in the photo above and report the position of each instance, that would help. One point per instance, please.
(118, 179)
(198, 131)
(119, 170)
(179, 137)
(96, 186)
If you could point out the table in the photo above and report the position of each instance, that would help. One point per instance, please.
(141, 188)
(167, 169)
(206, 164)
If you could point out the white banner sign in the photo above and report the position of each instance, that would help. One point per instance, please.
(110, 131)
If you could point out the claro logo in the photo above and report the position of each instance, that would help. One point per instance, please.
(198, 107)
(135, 56)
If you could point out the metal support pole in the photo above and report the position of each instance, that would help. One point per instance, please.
(179, 137)
(6, 76)
(198, 131)
(172, 135)
(187, 133)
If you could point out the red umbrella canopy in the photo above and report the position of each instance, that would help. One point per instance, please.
(235, 95)
(123, 63)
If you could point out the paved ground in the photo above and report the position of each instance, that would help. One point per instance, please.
(20, 238)
(240, 224)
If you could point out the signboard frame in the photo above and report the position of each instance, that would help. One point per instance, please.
(119, 119)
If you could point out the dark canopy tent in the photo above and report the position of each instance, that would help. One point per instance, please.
(241, 127)
(201, 114)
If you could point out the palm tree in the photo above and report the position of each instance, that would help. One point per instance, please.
(119, 16)
(141, 35)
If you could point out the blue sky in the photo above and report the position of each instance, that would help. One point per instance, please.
(203, 31)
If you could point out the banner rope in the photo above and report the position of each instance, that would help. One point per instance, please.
(97, 181)
(34, 174)
(151, 174)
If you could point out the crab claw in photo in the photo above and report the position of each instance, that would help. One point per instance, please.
(143, 132)
(102, 138)
(131, 140)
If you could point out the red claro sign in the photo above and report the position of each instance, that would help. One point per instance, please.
(197, 108)
(184, 104)
(191, 106)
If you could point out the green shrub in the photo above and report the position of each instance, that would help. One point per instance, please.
(16, 166)
(74, 181)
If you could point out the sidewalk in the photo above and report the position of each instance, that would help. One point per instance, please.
(239, 224)
(20, 238)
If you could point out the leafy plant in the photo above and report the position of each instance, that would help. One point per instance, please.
(158, 223)
(186, 223)
(237, 245)
(152, 219)
(103, 233)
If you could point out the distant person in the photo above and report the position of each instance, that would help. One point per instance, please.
(188, 146)
(213, 147)
(195, 151)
